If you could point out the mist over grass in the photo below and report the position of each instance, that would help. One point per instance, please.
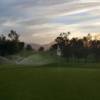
(45, 76)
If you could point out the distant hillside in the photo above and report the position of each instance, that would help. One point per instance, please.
(47, 46)
(34, 46)
(37, 46)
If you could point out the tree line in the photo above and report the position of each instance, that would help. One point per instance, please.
(85, 48)
(10, 43)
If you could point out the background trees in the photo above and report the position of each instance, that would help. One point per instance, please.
(41, 49)
(13, 35)
(10, 44)
(84, 48)
(29, 47)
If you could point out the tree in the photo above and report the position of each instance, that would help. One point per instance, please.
(78, 48)
(41, 49)
(53, 47)
(2, 38)
(29, 47)
(13, 36)
(10, 45)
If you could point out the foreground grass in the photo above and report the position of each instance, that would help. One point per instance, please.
(67, 82)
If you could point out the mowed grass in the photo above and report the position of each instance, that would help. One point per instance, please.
(50, 82)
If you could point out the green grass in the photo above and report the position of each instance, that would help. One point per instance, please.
(50, 82)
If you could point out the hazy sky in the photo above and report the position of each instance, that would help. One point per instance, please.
(40, 21)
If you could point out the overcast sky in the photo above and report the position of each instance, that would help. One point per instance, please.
(40, 21)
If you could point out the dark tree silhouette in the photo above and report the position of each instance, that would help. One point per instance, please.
(13, 36)
(78, 48)
(11, 45)
(41, 49)
(29, 47)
